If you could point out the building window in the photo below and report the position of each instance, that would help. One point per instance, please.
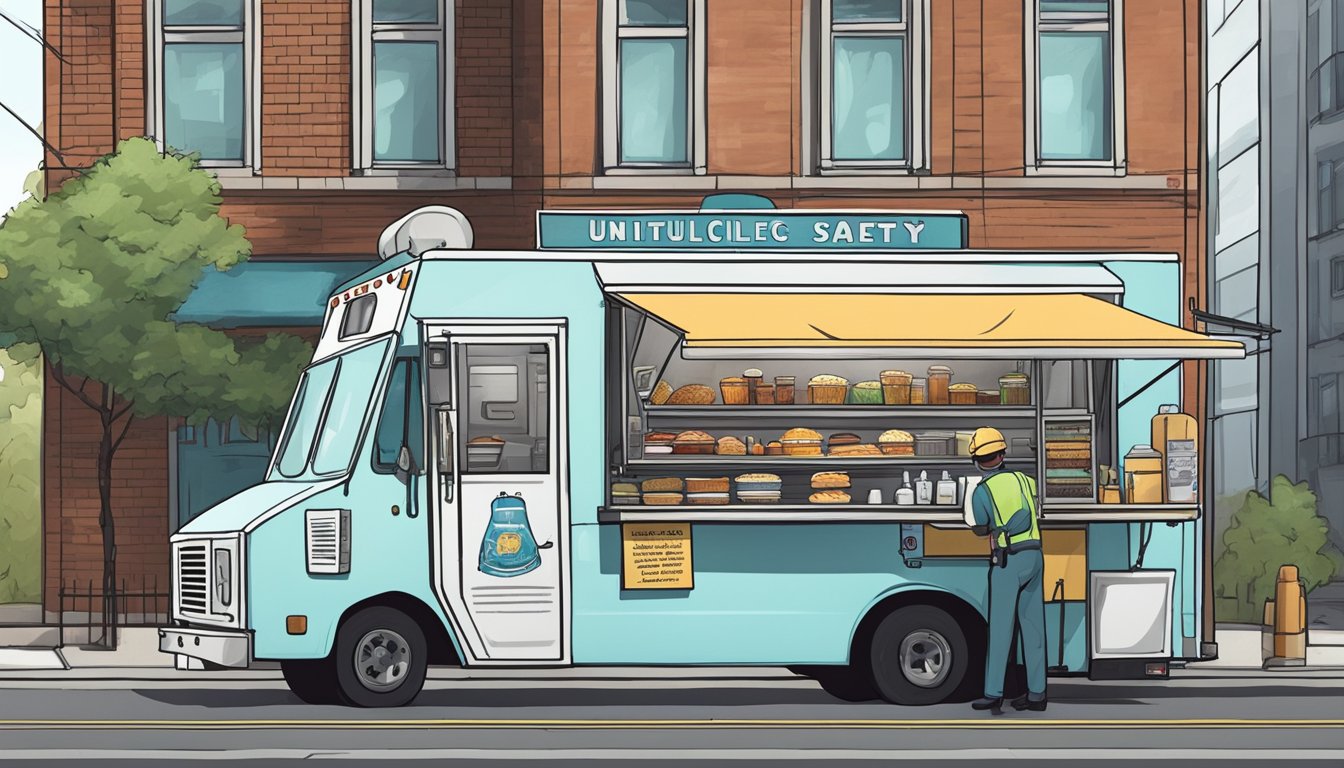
(1337, 276)
(653, 113)
(1330, 196)
(872, 84)
(203, 78)
(1075, 115)
(403, 117)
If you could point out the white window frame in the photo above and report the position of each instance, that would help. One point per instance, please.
(249, 34)
(612, 33)
(915, 28)
(365, 34)
(1112, 23)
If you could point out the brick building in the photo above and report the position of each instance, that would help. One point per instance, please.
(1054, 125)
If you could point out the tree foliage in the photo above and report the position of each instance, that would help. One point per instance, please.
(20, 477)
(1267, 533)
(92, 276)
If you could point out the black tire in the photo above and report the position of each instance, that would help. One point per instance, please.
(938, 656)
(380, 642)
(846, 683)
(312, 680)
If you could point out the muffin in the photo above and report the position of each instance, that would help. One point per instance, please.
(896, 442)
(692, 394)
(827, 389)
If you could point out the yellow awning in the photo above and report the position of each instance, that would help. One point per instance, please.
(1015, 326)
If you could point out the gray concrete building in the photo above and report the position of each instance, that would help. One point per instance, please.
(1275, 130)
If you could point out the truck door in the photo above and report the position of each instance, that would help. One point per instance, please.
(503, 512)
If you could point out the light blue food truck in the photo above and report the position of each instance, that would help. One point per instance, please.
(726, 436)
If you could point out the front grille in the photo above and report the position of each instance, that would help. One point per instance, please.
(193, 582)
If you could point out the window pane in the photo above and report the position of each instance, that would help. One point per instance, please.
(303, 421)
(1238, 199)
(1324, 204)
(1337, 275)
(1337, 193)
(196, 12)
(1236, 385)
(1234, 467)
(653, 13)
(1238, 295)
(203, 99)
(350, 398)
(1075, 6)
(1075, 96)
(653, 100)
(852, 11)
(868, 99)
(358, 316)
(505, 425)
(390, 434)
(406, 115)
(1239, 115)
(405, 11)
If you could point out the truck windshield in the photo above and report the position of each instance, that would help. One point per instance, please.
(323, 428)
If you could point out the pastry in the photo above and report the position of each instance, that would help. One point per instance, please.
(843, 438)
(624, 493)
(707, 498)
(661, 484)
(662, 499)
(862, 449)
(829, 497)
(822, 480)
(696, 485)
(731, 446)
(802, 433)
(693, 441)
(757, 477)
(826, 389)
(896, 442)
(661, 392)
(692, 394)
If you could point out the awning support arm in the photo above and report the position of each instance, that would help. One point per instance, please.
(1260, 331)
(1150, 383)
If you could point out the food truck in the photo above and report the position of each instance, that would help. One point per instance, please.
(733, 435)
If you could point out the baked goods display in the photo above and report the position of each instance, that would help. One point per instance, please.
(693, 441)
(662, 484)
(830, 480)
(735, 390)
(1068, 459)
(891, 387)
(731, 446)
(829, 497)
(861, 449)
(866, 393)
(962, 393)
(801, 441)
(624, 493)
(658, 443)
(661, 392)
(758, 488)
(663, 499)
(707, 490)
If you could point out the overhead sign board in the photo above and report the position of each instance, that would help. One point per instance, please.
(750, 230)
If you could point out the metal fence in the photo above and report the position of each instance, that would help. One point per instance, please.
(90, 617)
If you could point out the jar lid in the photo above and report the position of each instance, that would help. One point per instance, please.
(752, 373)
(939, 369)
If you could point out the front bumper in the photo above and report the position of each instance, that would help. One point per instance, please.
(227, 648)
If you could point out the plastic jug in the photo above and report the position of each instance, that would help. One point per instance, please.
(1143, 475)
(509, 548)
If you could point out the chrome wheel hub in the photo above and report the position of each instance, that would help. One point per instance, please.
(382, 658)
(926, 658)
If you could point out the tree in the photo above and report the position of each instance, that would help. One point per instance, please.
(1266, 533)
(20, 480)
(95, 273)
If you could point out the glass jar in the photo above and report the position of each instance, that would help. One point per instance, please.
(919, 391)
(1014, 389)
(896, 387)
(940, 377)
(765, 394)
(784, 390)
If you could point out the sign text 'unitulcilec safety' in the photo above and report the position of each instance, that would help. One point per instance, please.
(774, 230)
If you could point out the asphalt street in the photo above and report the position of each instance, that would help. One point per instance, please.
(664, 718)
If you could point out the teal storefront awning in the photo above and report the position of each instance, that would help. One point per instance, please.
(267, 293)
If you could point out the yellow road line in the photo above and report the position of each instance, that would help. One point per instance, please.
(691, 724)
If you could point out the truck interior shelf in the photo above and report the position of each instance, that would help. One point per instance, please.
(761, 413)
(775, 513)
(802, 462)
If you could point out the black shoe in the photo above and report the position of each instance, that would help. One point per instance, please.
(992, 704)
(1023, 702)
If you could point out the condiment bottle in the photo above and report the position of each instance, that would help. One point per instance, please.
(947, 490)
(905, 495)
(923, 488)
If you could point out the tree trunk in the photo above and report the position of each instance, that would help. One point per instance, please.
(106, 523)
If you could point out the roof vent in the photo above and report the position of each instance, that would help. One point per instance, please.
(433, 227)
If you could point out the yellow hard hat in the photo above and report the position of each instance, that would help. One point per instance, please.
(987, 440)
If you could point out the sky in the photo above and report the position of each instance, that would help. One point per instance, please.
(21, 91)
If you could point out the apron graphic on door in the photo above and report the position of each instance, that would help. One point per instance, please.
(509, 548)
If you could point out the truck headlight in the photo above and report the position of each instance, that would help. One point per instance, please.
(222, 579)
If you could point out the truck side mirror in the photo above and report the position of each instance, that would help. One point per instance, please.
(405, 463)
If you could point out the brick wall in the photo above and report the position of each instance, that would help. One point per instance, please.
(484, 87)
(305, 88)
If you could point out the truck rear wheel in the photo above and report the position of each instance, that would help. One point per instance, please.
(381, 658)
(311, 680)
(919, 656)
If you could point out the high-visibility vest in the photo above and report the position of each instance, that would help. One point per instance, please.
(1009, 492)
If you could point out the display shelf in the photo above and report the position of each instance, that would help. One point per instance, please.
(1092, 512)
(830, 513)
(831, 412)
(691, 460)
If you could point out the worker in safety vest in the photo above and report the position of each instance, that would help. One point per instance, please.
(1004, 508)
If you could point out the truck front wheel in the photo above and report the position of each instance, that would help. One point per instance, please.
(381, 658)
(311, 680)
